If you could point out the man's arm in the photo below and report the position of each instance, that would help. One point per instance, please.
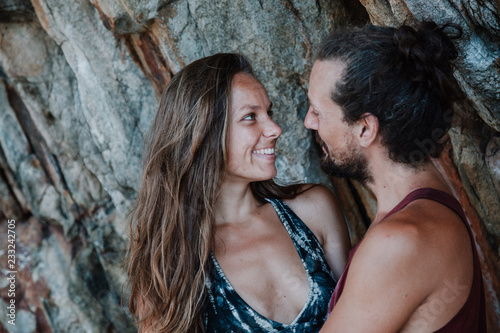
(387, 280)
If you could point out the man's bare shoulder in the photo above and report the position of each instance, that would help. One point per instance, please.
(425, 223)
(396, 240)
(421, 241)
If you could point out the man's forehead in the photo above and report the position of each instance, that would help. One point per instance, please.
(328, 69)
(324, 75)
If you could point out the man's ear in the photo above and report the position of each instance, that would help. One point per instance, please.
(368, 129)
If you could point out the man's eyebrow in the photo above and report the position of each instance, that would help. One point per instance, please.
(309, 102)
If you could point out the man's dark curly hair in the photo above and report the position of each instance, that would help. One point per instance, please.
(404, 77)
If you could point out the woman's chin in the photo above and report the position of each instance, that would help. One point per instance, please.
(266, 175)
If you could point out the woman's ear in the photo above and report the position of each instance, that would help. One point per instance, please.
(368, 129)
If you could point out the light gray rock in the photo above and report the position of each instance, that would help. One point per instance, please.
(76, 303)
(493, 161)
(480, 183)
(128, 16)
(46, 110)
(114, 99)
(12, 140)
(25, 322)
(78, 93)
(49, 153)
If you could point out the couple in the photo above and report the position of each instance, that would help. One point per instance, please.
(218, 246)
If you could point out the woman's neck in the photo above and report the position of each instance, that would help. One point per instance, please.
(235, 203)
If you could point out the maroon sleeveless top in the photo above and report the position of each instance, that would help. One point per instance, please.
(471, 318)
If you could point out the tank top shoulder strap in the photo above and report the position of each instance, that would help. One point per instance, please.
(303, 238)
(431, 194)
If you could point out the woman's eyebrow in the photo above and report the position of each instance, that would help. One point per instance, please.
(252, 107)
(248, 107)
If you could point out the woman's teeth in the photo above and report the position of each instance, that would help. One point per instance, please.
(267, 151)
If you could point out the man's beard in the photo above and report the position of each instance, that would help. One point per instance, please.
(354, 164)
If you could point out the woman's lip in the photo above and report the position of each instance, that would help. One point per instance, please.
(264, 151)
(272, 147)
(269, 157)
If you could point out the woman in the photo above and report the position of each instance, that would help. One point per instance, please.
(216, 245)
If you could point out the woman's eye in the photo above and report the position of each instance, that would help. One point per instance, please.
(270, 113)
(250, 116)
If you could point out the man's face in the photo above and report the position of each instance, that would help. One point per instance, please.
(342, 155)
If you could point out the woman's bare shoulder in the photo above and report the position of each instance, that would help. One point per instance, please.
(317, 206)
(313, 197)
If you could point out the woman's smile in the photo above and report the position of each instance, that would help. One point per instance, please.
(267, 153)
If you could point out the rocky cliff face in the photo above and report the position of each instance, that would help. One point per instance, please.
(79, 86)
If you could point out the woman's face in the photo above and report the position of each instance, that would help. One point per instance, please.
(252, 133)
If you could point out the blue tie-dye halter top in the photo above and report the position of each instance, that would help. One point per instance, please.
(227, 312)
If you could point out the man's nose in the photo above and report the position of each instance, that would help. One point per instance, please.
(311, 121)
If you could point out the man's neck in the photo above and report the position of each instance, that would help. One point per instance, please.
(392, 182)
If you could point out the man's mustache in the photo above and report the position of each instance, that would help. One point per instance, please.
(318, 139)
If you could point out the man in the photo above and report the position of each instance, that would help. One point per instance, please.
(381, 101)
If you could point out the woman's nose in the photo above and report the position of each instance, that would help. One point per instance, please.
(311, 121)
(272, 130)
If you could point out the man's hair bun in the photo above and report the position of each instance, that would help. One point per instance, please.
(425, 53)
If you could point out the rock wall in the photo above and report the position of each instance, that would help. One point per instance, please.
(79, 85)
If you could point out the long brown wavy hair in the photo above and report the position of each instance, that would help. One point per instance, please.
(172, 220)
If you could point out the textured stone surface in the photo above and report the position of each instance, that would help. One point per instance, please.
(115, 102)
(478, 66)
(128, 16)
(79, 85)
(16, 11)
(479, 168)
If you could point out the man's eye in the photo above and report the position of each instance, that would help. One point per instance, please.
(250, 116)
(270, 113)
